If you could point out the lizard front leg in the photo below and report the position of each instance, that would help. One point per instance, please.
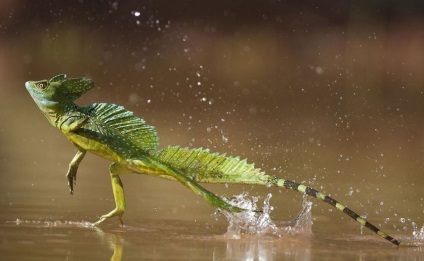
(73, 167)
(69, 123)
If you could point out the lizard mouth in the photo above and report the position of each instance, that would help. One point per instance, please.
(28, 85)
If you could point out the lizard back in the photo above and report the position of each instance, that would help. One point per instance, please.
(118, 129)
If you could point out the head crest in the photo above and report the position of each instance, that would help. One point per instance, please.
(72, 88)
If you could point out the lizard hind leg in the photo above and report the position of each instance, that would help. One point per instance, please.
(118, 192)
(210, 197)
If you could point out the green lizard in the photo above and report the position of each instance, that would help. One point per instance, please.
(113, 133)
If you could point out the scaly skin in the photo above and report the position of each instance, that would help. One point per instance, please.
(111, 132)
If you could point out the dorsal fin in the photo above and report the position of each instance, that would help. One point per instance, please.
(202, 166)
(114, 118)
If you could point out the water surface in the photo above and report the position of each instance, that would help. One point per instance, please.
(326, 94)
(164, 221)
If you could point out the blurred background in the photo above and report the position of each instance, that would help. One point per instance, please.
(329, 93)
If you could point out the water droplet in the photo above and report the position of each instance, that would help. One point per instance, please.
(253, 111)
(224, 139)
(319, 70)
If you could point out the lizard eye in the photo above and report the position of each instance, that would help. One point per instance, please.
(41, 85)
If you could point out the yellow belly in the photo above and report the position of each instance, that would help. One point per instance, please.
(95, 147)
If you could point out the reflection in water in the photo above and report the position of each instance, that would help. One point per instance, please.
(260, 248)
(247, 247)
(249, 236)
(161, 240)
(115, 241)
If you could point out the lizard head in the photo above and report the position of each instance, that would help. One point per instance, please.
(57, 90)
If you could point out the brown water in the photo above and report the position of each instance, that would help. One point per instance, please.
(41, 221)
(331, 97)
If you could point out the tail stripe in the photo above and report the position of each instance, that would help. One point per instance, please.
(316, 194)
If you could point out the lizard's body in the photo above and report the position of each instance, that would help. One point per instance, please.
(111, 132)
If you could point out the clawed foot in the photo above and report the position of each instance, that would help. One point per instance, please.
(72, 179)
(73, 167)
(102, 218)
(114, 213)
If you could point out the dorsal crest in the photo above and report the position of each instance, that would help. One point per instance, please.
(112, 118)
(202, 166)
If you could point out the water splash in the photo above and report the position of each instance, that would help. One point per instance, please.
(417, 234)
(49, 223)
(417, 238)
(302, 224)
(256, 222)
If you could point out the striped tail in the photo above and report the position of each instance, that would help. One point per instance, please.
(316, 194)
(199, 165)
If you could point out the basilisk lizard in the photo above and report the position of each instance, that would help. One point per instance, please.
(113, 133)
